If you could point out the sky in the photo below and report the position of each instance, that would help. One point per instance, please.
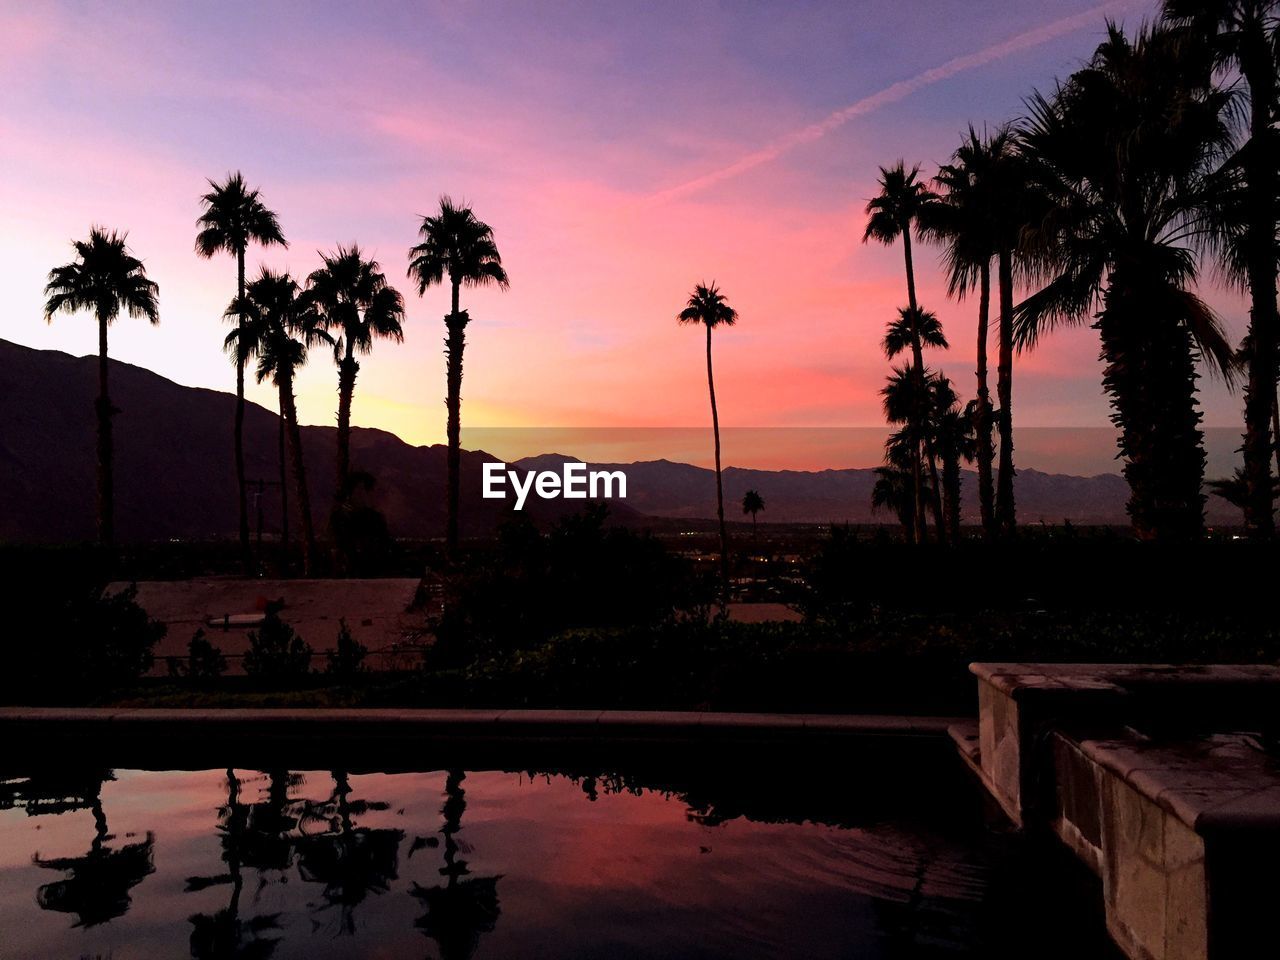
(622, 152)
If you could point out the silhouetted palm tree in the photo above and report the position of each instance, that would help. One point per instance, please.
(234, 217)
(956, 442)
(357, 307)
(105, 278)
(708, 307)
(455, 243)
(1245, 36)
(891, 216)
(894, 488)
(277, 322)
(752, 503)
(1124, 150)
(966, 221)
(917, 329)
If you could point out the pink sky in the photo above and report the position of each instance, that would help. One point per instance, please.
(620, 155)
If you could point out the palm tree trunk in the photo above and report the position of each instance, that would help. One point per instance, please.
(106, 480)
(302, 497)
(246, 559)
(724, 535)
(951, 490)
(917, 359)
(986, 452)
(347, 370)
(1275, 428)
(454, 342)
(283, 460)
(1259, 516)
(1006, 514)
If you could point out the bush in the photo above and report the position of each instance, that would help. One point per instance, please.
(276, 652)
(346, 660)
(204, 664)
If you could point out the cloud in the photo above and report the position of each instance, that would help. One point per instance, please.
(892, 94)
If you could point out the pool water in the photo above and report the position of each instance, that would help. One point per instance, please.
(794, 859)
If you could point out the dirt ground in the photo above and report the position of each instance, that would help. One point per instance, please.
(377, 611)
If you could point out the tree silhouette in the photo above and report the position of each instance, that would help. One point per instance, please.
(457, 245)
(752, 503)
(1244, 36)
(1124, 150)
(707, 306)
(277, 323)
(914, 330)
(106, 278)
(464, 907)
(893, 215)
(356, 307)
(965, 222)
(233, 217)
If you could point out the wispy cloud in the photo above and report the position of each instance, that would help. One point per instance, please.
(893, 93)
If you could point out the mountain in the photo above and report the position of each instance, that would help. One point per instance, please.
(174, 465)
(660, 488)
(175, 476)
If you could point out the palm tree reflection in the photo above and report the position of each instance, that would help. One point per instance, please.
(464, 907)
(97, 885)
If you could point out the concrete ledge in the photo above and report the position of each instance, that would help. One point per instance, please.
(591, 724)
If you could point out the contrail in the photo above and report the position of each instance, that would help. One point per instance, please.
(892, 94)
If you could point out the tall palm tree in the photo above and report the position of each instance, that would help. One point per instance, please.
(277, 322)
(1245, 37)
(917, 329)
(707, 306)
(356, 306)
(893, 215)
(234, 216)
(1124, 150)
(106, 278)
(752, 503)
(456, 244)
(966, 222)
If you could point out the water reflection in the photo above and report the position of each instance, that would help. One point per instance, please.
(463, 907)
(97, 884)
(780, 859)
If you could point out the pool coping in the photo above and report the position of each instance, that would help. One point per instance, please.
(469, 722)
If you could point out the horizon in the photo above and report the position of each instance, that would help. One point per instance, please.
(757, 181)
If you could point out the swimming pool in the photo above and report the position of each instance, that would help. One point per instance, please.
(697, 852)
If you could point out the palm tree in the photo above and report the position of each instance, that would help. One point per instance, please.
(903, 199)
(235, 216)
(455, 243)
(1124, 151)
(917, 329)
(893, 488)
(956, 441)
(1244, 35)
(966, 221)
(707, 306)
(106, 278)
(356, 307)
(752, 503)
(277, 323)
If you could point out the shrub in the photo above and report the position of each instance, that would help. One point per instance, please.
(347, 658)
(204, 664)
(276, 652)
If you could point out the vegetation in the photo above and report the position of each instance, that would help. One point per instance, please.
(234, 216)
(455, 243)
(107, 278)
(277, 323)
(275, 651)
(707, 306)
(356, 306)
